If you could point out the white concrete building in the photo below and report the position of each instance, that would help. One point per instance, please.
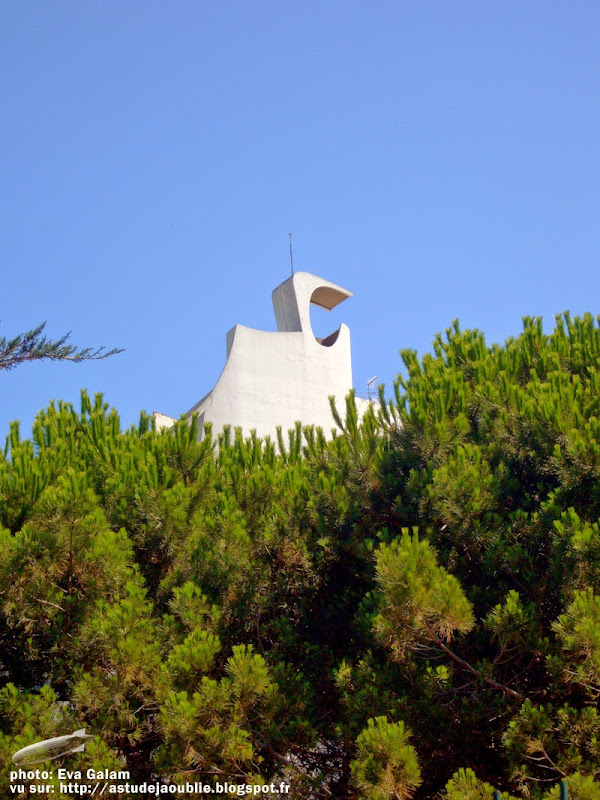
(276, 378)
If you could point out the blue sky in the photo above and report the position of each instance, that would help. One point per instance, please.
(438, 159)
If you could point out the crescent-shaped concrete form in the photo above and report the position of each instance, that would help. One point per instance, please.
(273, 379)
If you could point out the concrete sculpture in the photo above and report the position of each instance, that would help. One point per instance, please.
(276, 378)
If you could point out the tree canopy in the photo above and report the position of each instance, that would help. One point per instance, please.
(410, 610)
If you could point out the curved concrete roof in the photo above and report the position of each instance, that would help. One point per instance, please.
(292, 299)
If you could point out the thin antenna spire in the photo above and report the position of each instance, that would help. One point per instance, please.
(370, 383)
(291, 254)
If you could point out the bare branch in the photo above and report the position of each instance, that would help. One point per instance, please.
(468, 668)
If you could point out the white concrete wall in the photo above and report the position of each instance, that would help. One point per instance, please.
(278, 378)
(163, 421)
(273, 379)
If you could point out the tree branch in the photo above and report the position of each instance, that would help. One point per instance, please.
(468, 668)
(34, 346)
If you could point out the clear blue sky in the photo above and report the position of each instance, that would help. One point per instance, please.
(439, 159)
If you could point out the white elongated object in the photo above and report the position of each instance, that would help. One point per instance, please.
(49, 749)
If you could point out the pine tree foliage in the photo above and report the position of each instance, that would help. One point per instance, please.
(419, 598)
(581, 787)
(386, 764)
(33, 345)
(464, 785)
(236, 609)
